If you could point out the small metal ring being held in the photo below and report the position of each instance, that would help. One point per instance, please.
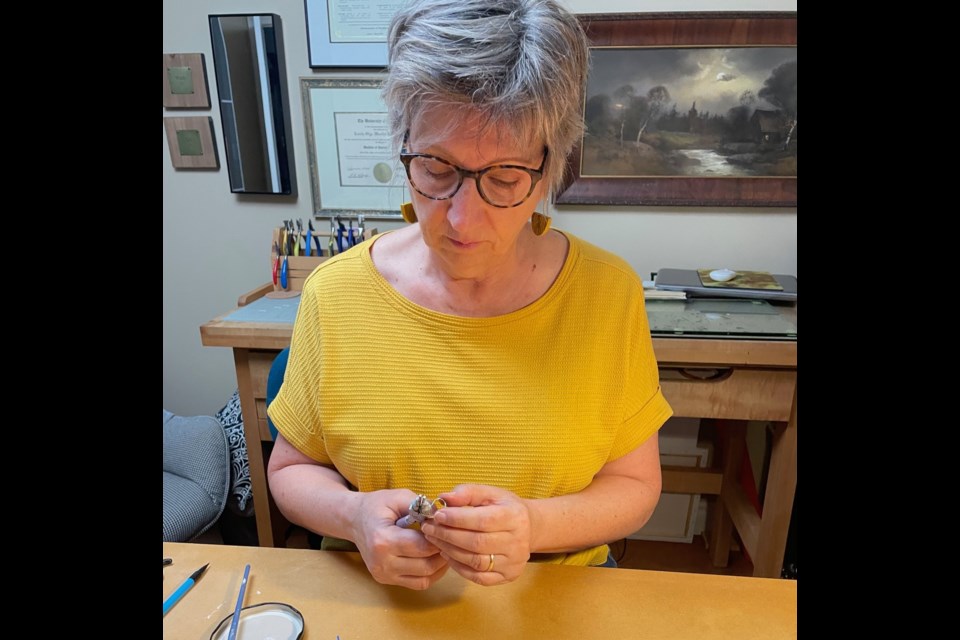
(490, 565)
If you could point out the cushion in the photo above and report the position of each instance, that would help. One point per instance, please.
(196, 475)
(231, 417)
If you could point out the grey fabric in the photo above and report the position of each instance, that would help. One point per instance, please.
(196, 475)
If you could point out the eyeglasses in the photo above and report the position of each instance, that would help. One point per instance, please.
(500, 185)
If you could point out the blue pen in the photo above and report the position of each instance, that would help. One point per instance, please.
(182, 589)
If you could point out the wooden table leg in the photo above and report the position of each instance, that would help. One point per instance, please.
(278, 521)
(778, 499)
(731, 438)
(251, 430)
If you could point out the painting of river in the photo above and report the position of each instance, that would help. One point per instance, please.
(680, 111)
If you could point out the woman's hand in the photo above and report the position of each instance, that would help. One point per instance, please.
(394, 555)
(483, 533)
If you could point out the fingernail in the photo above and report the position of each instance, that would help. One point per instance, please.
(441, 517)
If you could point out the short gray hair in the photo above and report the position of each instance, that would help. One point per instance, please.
(522, 64)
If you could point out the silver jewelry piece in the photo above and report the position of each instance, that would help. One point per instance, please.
(421, 508)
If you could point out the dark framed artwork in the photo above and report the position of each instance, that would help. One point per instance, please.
(688, 109)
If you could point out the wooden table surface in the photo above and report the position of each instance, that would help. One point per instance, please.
(337, 597)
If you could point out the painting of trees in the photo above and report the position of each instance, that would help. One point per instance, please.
(705, 111)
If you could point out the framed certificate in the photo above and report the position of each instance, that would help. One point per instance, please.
(353, 167)
(349, 33)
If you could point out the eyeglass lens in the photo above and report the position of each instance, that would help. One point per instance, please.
(435, 178)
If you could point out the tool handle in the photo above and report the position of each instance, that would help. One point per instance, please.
(236, 612)
(176, 595)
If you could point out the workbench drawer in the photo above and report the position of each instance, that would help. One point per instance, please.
(730, 393)
(262, 425)
(260, 363)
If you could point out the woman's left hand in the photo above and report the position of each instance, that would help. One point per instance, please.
(483, 533)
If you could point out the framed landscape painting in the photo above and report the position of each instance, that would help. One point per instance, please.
(688, 109)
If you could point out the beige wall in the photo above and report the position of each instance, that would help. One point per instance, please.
(215, 243)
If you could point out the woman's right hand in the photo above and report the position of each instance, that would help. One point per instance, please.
(394, 555)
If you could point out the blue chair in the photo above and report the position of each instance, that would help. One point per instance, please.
(274, 380)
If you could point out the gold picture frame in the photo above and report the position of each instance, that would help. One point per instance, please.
(185, 81)
(352, 168)
(191, 142)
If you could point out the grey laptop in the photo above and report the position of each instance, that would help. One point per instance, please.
(689, 280)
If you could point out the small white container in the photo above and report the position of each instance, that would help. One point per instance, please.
(722, 275)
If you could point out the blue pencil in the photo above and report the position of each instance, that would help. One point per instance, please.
(236, 612)
(182, 589)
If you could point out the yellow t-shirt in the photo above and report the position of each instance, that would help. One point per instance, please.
(536, 401)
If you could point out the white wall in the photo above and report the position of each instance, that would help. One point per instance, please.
(216, 244)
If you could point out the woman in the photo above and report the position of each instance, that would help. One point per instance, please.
(475, 355)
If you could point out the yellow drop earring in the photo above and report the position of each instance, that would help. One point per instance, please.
(540, 223)
(409, 215)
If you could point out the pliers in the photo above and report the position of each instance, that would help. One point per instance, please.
(316, 240)
(284, 269)
(276, 263)
(342, 242)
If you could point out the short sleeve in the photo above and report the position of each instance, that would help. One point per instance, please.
(296, 409)
(644, 407)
